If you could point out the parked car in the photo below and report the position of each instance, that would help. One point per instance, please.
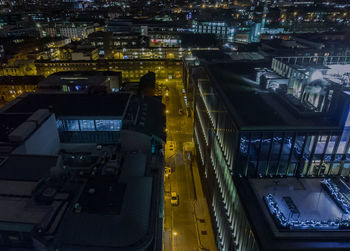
(167, 171)
(174, 199)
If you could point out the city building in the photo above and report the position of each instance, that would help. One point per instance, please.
(13, 86)
(79, 81)
(72, 30)
(19, 68)
(261, 136)
(85, 54)
(259, 88)
(131, 70)
(312, 45)
(74, 163)
(220, 29)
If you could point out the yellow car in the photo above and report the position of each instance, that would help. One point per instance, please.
(167, 171)
(174, 199)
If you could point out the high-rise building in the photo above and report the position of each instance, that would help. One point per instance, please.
(274, 152)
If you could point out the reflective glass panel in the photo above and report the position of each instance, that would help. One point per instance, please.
(108, 125)
(87, 125)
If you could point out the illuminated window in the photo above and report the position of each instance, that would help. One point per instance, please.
(71, 125)
(331, 144)
(108, 125)
(320, 144)
(87, 125)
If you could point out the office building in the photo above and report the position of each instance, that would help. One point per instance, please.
(273, 149)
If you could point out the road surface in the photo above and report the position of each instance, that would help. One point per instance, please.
(188, 225)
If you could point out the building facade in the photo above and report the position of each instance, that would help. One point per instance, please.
(244, 131)
(131, 70)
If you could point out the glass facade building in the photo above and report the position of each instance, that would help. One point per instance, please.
(215, 136)
(237, 138)
(102, 131)
(292, 153)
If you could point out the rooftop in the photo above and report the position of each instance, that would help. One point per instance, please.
(119, 206)
(79, 79)
(72, 104)
(312, 211)
(9, 122)
(26, 167)
(80, 207)
(150, 119)
(19, 176)
(252, 107)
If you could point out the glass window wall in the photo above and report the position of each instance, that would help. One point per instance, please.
(74, 125)
(87, 125)
(108, 125)
(289, 154)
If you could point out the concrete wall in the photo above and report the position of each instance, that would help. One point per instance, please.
(44, 141)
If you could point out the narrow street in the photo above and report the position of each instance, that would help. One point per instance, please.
(188, 225)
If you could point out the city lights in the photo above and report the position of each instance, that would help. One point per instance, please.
(175, 125)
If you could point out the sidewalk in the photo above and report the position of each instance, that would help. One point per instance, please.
(202, 215)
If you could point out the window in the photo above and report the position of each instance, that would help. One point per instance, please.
(320, 144)
(331, 144)
(108, 125)
(87, 125)
(59, 124)
(335, 169)
(72, 125)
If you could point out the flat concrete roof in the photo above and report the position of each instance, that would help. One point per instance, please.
(310, 199)
(106, 230)
(253, 108)
(88, 78)
(69, 104)
(26, 167)
(117, 214)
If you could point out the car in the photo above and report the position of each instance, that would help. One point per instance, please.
(171, 145)
(174, 199)
(167, 171)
